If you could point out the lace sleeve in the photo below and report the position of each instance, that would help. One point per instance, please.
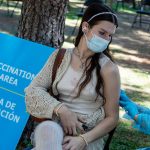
(39, 103)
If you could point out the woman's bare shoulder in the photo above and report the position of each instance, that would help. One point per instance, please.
(109, 67)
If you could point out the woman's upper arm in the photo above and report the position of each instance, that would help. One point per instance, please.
(111, 79)
(39, 103)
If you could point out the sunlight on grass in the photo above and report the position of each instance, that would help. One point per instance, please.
(17, 10)
(146, 36)
(127, 138)
(68, 45)
(137, 84)
(119, 49)
(71, 23)
(1, 31)
(135, 77)
(11, 7)
(126, 11)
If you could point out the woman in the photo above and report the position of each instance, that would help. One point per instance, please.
(88, 85)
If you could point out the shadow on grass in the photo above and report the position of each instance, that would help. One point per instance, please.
(139, 54)
(135, 61)
(127, 138)
(137, 95)
(134, 64)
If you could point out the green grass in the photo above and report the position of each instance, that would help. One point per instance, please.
(136, 82)
(127, 8)
(127, 138)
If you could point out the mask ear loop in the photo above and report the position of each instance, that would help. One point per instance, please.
(93, 34)
(85, 37)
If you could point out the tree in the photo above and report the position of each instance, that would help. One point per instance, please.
(43, 21)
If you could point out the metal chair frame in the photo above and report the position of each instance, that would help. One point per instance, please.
(8, 5)
(142, 12)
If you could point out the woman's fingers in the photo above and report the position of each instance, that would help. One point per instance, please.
(74, 131)
(71, 122)
(66, 130)
(66, 144)
(70, 129)
(66, 139)
(79, 126)
(81, 119)
(67, 147)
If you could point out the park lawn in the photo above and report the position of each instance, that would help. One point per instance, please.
(127, 138)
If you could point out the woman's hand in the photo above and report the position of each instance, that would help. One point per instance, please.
(70, 121)
(73, 143)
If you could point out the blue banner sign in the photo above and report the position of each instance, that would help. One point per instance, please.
(20, 61)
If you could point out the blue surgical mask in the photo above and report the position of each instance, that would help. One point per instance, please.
(96, 43)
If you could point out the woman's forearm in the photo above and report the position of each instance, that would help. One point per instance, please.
(101, 129)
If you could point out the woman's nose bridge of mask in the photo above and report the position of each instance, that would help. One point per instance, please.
(106, 35)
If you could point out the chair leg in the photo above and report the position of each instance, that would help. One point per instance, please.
(135, 20)
(123, 4)
(106, 147)
(149, 28)
(140, 21)
(74, 29)
(79, 15)
(117, 6)
(7, 1)
(14, 9)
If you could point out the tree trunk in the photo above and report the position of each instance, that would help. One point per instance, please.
(43, 21)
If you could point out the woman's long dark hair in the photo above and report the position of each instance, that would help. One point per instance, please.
(94, 62)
